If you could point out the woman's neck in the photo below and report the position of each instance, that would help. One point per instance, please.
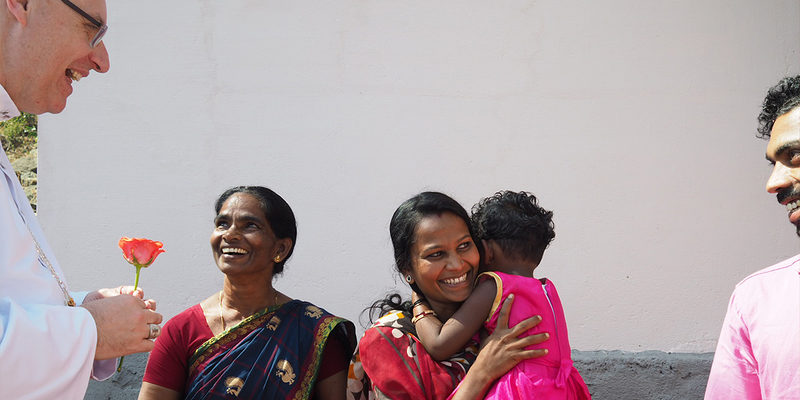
(248, 296)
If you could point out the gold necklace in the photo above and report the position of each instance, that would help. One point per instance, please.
(42, 257)
(222, 318)
(43, 260)
(220, 311)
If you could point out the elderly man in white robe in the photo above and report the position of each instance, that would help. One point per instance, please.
(52, 340)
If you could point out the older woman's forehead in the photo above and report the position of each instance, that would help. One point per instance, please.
(243, 205)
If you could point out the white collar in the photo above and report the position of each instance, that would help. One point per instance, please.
(8, 109)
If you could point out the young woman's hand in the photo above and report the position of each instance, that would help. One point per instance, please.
(500, 352)
(504, 349)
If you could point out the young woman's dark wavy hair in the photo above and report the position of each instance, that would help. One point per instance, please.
(279, 215)
(402, 230)
(516, 222)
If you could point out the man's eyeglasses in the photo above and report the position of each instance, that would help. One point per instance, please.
(102, 28)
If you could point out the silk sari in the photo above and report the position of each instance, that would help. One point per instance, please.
(273, 354)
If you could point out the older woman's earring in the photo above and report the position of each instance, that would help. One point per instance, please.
(408, 278)
(277, 259)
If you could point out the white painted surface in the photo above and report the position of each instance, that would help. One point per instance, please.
(634, 121)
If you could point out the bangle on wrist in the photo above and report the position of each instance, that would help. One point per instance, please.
(422, 315)
(418, 302)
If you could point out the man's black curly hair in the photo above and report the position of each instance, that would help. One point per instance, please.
(514, 221)
(781, 99)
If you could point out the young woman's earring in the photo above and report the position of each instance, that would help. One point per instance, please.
(277, 259)
(408, 278)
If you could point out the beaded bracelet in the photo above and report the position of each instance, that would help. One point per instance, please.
(422, 315)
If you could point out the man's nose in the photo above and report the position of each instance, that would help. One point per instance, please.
(780, 178)
(99, 58)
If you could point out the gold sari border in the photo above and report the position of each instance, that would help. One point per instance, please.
(320, 339)
(242, 328)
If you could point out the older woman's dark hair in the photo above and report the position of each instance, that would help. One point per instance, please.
(515, 221)
(781, 98)
(277, 211)
(402, 230)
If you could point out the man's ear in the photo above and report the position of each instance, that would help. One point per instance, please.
(19, 9)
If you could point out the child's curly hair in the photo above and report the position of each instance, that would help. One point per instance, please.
(515, 221)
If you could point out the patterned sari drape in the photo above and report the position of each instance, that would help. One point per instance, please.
(273, 354)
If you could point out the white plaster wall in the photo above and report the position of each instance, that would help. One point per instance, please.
(633, 120)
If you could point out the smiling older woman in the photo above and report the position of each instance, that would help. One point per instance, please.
(250, 340)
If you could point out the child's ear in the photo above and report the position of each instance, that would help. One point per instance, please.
(488, 252)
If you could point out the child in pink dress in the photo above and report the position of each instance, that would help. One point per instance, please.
(515, 231)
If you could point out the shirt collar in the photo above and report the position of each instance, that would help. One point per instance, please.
(8, 109)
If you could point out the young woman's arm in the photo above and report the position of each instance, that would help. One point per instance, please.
(502, 350)
(442, 340)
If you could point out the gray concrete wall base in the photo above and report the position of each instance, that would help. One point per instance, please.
(610, 375)
(618, 375)
(123, 385)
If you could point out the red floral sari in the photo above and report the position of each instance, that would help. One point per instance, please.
(392, 364)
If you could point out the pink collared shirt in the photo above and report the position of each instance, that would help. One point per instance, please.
(758, 353)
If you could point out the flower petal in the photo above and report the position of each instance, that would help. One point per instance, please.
(139, 251)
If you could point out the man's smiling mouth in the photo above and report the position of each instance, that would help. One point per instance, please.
(75, 76)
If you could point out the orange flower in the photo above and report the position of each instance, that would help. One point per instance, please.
(140, 252)
(135, 251)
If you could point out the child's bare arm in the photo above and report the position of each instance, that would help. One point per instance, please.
(440, 340)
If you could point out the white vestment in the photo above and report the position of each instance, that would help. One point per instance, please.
(46, 348)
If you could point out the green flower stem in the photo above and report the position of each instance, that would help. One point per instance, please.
(135, 285)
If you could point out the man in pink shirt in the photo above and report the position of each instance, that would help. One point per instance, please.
(758, 353)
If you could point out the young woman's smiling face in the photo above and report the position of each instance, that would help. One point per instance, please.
(444, 259)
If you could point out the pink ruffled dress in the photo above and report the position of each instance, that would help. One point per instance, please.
(552, 376)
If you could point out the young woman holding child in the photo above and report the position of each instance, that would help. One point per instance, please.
(514, 232)
(438, 254)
